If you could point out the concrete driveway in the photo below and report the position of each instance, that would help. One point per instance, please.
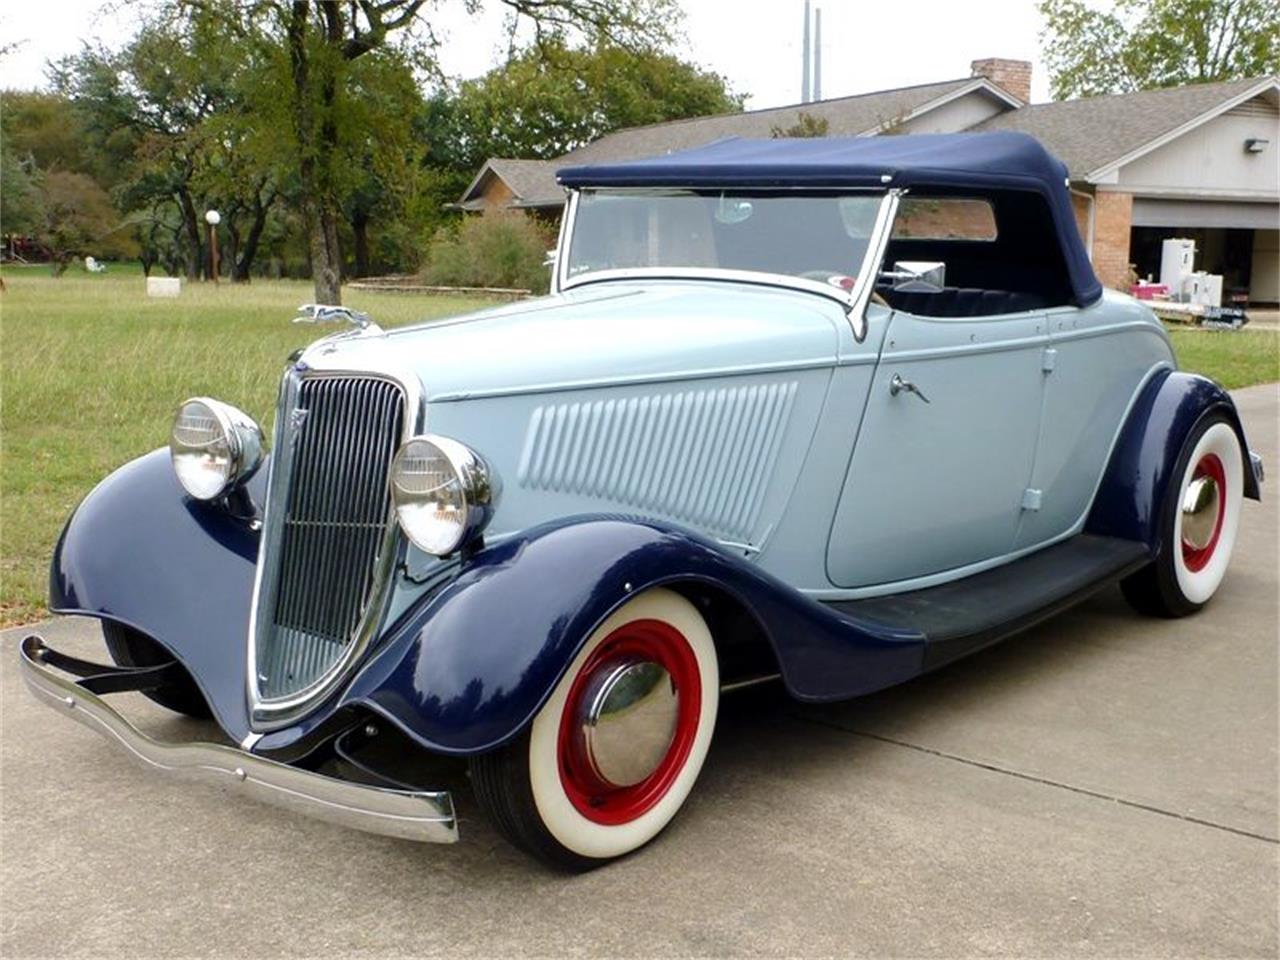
(1104, 785)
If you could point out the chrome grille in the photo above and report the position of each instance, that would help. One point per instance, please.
(326, 526)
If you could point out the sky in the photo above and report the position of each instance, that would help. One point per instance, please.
(754, 44)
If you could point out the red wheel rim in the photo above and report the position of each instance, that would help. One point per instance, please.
(605, 803)
(1196, 558)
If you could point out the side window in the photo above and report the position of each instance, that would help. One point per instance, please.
(944, 218)
(1000, 253)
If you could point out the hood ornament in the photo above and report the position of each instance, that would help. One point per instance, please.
(324, 313)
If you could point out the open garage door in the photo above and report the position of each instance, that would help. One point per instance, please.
(1239, 240)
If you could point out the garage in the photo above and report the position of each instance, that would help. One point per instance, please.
(1240, 241)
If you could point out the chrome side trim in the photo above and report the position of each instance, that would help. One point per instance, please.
(424, 816)
(1259, 471)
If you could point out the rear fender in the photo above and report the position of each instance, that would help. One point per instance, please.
(1146, 454)
(138, 550)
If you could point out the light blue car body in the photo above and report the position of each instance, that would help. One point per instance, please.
(751, 414)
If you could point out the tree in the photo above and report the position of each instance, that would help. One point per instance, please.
(149, 106)
(78, 220)
(551, 98)
(42, 127)
(806, 125)
(188, 116)
(21, 202)
(317, 45)
(1157, 43)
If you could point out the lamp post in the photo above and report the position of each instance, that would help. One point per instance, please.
(213, 218)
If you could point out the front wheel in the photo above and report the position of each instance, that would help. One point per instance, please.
(612, 755)
(129, 648)
(1197, 527)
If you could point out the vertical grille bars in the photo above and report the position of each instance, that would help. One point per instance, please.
(332, 506)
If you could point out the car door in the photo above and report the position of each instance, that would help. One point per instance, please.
(1101, 356)
(939, 473)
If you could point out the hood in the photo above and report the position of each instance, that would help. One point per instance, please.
(602, 334)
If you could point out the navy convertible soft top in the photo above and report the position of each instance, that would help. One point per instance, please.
(948, 161)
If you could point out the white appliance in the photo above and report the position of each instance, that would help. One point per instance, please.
(1204, 289)
(1177, 261)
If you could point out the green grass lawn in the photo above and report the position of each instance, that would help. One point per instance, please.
(1234, 359)
(92, 370)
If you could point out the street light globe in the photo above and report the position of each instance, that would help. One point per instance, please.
(213, 218)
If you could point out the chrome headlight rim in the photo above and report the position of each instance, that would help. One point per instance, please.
(477, 484)
(241, 434)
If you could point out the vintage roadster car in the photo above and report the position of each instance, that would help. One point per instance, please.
(830, 411)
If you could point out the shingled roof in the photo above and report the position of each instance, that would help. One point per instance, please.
(1091, 134)
(532, 181)
(534, 184)
(845, 116)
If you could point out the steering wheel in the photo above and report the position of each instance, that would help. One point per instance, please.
(825, 276)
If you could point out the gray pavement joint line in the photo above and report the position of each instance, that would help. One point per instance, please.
(1041, 780)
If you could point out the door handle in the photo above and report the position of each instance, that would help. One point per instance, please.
(898, 385)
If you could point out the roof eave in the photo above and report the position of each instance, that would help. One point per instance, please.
(977, 84)
(467, 194)
(1108, 171)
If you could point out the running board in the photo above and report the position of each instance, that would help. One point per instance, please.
(962, 616)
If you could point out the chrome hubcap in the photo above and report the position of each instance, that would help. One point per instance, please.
(1200, 505)
(628, 720)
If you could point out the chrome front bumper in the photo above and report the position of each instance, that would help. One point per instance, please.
(425, 816)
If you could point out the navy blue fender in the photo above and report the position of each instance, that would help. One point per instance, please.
(1146, 454)
(468, 667)
(139, 551)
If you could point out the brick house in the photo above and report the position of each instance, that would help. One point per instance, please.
(1197, 161)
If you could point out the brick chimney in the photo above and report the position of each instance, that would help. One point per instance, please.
(1014, 76)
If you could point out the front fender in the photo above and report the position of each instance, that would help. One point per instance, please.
(467, 668)
(1146, 454)
(139, 551)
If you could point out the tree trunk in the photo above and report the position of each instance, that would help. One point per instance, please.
(326, 261)
(191, 226)
(244, 266)
(360, 227)
(231, 254)
(319, 206)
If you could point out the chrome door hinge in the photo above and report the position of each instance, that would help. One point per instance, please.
(1048, 359)
(1031, 499)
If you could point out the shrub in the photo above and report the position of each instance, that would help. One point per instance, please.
(501, 248)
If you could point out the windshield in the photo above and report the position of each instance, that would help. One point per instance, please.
(817, 236)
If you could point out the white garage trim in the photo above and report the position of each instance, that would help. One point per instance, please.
(1151, 212)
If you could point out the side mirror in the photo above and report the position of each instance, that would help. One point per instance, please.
(550, 259)
(917, 276)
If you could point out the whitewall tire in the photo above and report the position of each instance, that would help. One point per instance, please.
(614, 752)
(1198, 523)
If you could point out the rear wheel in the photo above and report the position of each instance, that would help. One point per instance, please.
(610, 758)
(1198, 523)
(129, 648)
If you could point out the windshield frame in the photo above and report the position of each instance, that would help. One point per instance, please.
(854, 301)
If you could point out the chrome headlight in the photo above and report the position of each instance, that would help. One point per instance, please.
(442, 491)
(214, 447)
